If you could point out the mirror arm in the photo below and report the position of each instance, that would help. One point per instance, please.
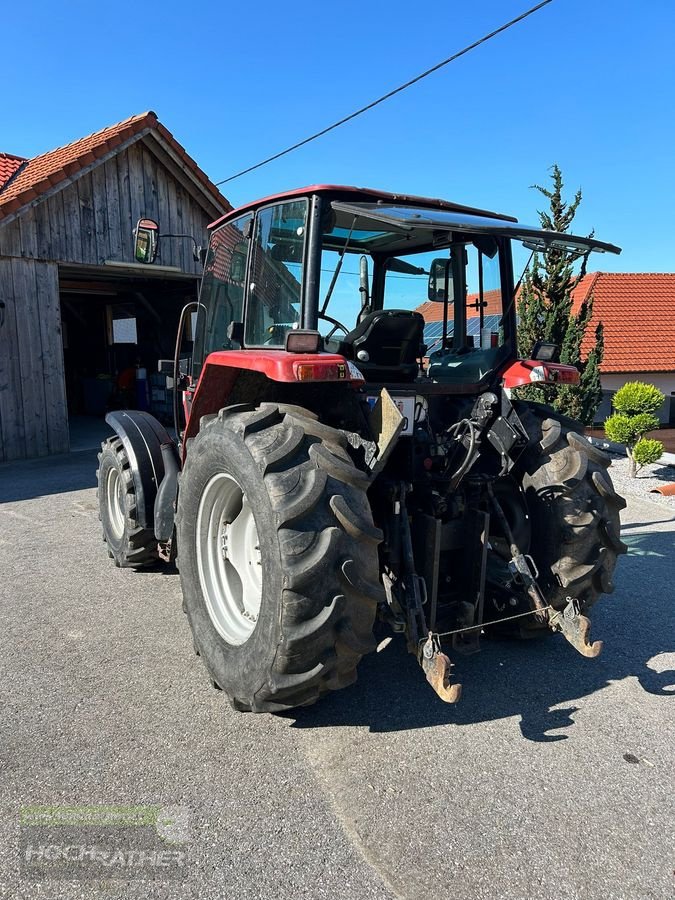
(196, 249)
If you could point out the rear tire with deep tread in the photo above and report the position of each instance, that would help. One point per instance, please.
(318, 551)
(129, 544)
(573, 506)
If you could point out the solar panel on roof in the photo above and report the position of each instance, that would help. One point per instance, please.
(433, 331)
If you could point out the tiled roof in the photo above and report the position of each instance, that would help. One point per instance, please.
(45, 171)
(637, 310)
(8, 166)
(432, 310)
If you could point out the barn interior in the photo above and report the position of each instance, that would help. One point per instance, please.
(115, 327)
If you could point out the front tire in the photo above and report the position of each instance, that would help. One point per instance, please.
(277, 556)
(129, 544)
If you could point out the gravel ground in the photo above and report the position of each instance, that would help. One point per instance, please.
(647, 478)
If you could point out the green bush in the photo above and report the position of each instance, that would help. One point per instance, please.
(646, 451)
(628, 430)
(636, 397)
(635, 404)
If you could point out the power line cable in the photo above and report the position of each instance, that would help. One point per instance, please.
(392, 93)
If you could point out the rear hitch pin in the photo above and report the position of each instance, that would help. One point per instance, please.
(436, 666)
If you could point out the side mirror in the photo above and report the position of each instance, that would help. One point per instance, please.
(146, 239)
(441, 282)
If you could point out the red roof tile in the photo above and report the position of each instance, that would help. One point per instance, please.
(637, 310)
(8, 166)
(43, 172)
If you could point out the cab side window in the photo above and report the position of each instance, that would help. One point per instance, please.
(222, 293)
(275, 281)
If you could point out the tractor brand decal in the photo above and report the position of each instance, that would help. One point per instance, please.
(354, 372)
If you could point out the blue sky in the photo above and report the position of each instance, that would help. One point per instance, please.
(589, 85)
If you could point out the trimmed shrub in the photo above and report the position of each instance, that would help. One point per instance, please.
(636, 397)
(628, 430)
(635, 404)
(646, 451)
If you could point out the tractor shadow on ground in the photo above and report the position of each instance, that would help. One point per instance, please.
(664, 473)
(28, 479)
(528, 678)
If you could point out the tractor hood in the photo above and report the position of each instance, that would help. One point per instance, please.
(407, 218)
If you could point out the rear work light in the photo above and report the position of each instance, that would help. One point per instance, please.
(302, 341)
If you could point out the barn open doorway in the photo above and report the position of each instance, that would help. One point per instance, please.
(115, 328)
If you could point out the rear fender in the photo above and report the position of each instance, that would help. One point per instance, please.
(143, 437)
(223, 369)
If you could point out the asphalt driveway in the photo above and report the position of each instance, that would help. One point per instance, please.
(552, 778)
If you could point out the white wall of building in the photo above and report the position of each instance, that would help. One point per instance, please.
(664, 381)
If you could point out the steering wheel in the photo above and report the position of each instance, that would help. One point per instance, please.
(334, 323)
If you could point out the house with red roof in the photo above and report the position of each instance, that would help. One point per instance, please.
(79, 317)
(637, 310)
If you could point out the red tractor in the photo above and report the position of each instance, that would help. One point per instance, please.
(340, 461)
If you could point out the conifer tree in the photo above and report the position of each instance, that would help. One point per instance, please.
(545, 311)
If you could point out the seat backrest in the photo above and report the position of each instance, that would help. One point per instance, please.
(386, 344)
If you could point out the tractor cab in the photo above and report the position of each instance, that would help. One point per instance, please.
(406, 289)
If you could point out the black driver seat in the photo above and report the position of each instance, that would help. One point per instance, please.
(386, 345)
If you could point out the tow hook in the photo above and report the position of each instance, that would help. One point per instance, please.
(575, 628)
(436, 666)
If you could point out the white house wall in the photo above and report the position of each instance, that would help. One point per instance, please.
(664, 381)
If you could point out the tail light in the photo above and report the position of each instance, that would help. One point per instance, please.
(555, 374)
(327, 371)
(532, 371)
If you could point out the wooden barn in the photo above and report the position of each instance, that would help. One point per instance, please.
(82, 325)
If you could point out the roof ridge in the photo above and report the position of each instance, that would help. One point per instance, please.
(13, 156)
(637, 274)
(595, 277)
(125, 122)
(12, 178)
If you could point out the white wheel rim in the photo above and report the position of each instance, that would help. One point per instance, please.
(115, 501)
(228, 559)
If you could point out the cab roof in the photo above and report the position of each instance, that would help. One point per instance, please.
(346, 193)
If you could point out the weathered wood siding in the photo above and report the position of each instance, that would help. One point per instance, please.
(33, 413)
(91, 220)
(86, 222)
